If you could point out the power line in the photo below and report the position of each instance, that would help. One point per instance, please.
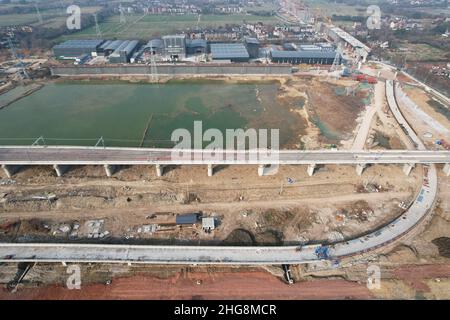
(16, 57)
(123, 18)
(153, 68)
(38, 13)
(337, 59)
(84, 139)
(97, 27)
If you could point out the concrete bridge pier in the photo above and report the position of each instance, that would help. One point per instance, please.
(159, 170)
(59, 169)
(360, 168)
(407, 168)
(268, 169)
(8, 170)
(109, 169)
(447, 169)
(311, 169)
(261, 170)
(210, 170)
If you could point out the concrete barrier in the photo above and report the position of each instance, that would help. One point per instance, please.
(174, 70)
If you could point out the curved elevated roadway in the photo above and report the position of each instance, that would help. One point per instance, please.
(76, 253)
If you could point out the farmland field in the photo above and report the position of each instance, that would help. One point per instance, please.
(421, 52)
(146, 26)
(54, 18)
(326, 8)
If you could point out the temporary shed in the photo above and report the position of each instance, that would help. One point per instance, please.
(190, 218)
(208, 223)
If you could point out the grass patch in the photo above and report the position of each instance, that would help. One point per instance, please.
(439, 107)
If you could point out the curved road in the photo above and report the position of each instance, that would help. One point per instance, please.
(76, 253)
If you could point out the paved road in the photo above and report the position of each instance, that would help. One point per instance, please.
(390, 95)
(130, 156)
(398, 228)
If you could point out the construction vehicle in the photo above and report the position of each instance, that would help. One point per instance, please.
(372, 80)
(364, 78)
(359, 77)
(322, 252)
(444, 144)
(346, 73)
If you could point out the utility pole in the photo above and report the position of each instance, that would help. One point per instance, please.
(38, 13)
(23, 72)
(97, 27)
(62, 7)
(153, 68)
(198, 20)
(123, 19)
(337, 59)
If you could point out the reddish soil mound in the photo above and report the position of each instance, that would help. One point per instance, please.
(243, 285)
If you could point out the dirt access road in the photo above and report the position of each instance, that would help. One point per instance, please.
(404, 281)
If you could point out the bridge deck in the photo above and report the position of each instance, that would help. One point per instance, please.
(128, 156)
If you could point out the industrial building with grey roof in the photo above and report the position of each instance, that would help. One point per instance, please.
(175, 46)
(155, 46)
(305, 56)
(76, 48)
(234, 52)
(196, 46)
(123, 52)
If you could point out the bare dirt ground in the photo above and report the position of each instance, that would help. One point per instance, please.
(425, 103)
(333, 204)
(417, 268)
(398, 281)
(331, 109)
(215, 284)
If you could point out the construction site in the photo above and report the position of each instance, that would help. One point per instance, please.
(135, 206)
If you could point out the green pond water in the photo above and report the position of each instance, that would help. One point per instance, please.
(78, 113)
